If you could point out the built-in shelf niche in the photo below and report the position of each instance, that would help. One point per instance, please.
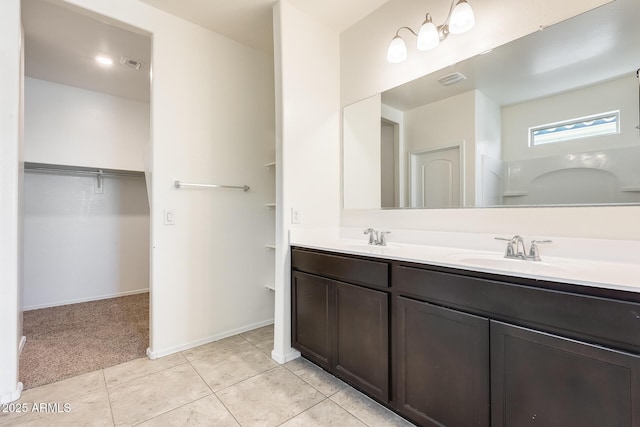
(268, 246)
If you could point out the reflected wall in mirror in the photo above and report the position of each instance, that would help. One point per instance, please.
(548, 119)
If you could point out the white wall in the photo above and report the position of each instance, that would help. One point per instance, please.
(445, 123)
(71, 126)
(488, 145)
(365, 72)
(307, 64)
(361, 154)
(210, 121)
(364, 68)
(80, 245)
(10, 199)
(620, 94)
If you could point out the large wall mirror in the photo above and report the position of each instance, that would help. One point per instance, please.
(548, 119)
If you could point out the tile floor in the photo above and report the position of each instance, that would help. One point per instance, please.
(231, 382)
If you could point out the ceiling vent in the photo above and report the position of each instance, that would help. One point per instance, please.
(131, 63)
(452, 78)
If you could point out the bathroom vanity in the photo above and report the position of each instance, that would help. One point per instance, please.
(451, 346)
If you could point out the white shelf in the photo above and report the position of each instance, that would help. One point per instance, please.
(270, 287)
(515, 193)
(270, 205)
(273, 247)
(630, 189)
(270, 165)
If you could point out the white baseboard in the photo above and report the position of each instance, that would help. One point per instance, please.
(151, 354)
(23, 340)
(87, 299)
(283, 358)
(12, 396)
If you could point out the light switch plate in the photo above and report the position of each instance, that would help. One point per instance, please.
(169, 217)
(295, 216)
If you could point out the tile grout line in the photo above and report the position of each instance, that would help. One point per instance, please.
(213, 392)
(113, 419)
(308, 409)
(141, 376)
(331, 395)
(246, 379)
(154, 373)
(171, 410)
(316, 388)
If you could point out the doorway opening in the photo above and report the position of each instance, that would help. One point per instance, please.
(86, 216)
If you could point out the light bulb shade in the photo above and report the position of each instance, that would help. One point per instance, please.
(428, 36)
(397, 51)
(462, 18)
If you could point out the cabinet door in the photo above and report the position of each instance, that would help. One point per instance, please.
(546, 380)
(362, 338)
(442, 366)
(311, 313)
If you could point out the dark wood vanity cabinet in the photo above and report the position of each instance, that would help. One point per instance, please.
(312, 312)
(341, 326)
(442, 365)
(465, 348)
(362, 338)
(542, 379)
(558, 357)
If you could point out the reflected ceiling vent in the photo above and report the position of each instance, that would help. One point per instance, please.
(450, 79)
(131, 63)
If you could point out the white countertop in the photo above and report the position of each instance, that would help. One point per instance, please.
(598, 263)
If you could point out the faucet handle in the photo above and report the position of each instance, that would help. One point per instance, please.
(534, 253)
(382, 241)
(541, 241)
(510, 251)
(373, 235)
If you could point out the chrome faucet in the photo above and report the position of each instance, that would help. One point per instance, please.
(516, 250)
(376, 238)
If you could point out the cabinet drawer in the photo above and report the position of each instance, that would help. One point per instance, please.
(594, 319)
(347, 269)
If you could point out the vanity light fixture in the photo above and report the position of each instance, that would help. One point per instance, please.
(460, 20)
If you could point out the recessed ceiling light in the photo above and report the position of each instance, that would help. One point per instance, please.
(104, 60)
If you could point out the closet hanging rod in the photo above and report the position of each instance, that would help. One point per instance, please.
(180, 184)
(60, 169)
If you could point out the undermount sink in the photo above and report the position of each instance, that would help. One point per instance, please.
(498, 262)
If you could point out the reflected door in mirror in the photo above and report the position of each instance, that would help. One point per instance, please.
(435, 178)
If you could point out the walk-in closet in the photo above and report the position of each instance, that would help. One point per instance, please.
(86, 198)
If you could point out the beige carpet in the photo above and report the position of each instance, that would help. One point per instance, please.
(73, 339)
